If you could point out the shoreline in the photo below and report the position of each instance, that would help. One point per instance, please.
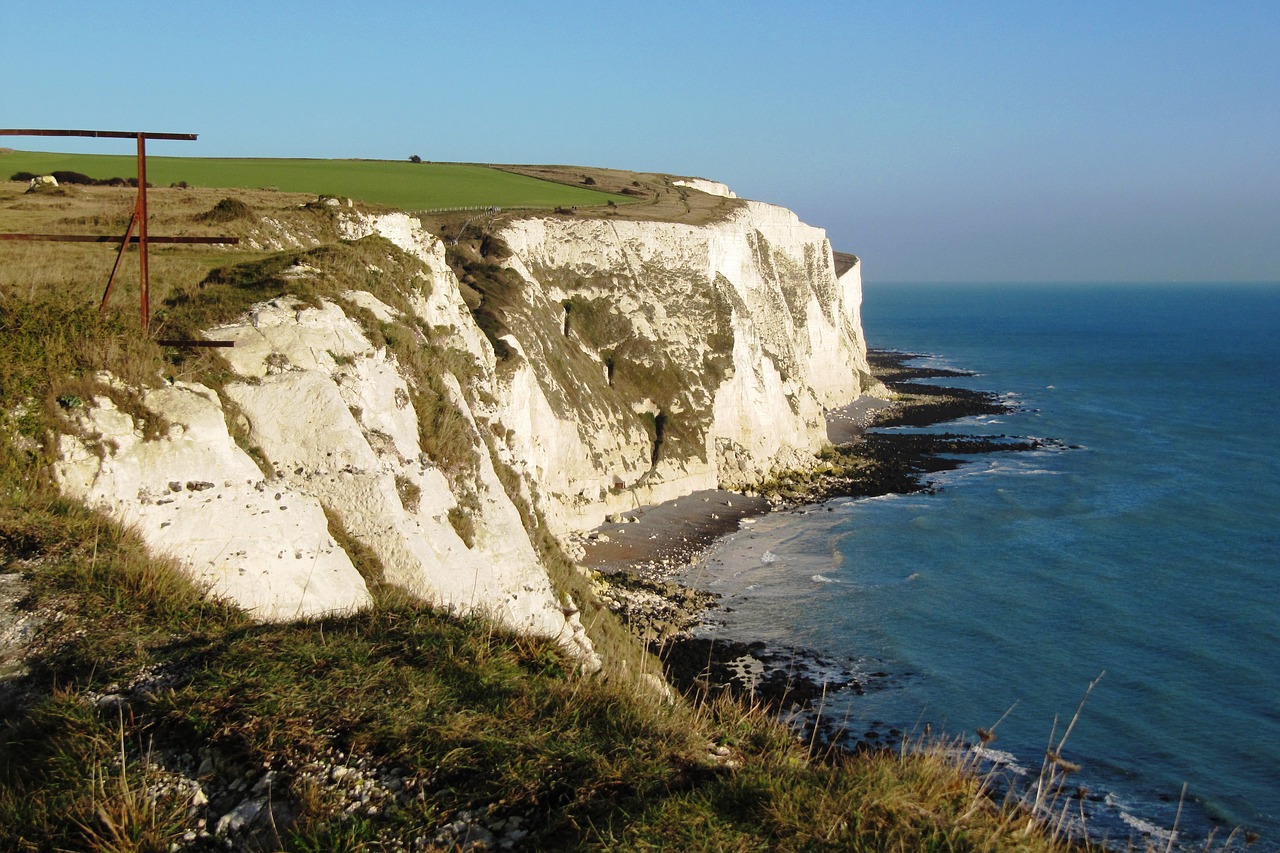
(635, 558)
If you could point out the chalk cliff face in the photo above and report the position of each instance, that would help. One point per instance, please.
(712, 353)
(194, 495)
(606, 361)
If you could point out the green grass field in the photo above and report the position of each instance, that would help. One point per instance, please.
(401, 184)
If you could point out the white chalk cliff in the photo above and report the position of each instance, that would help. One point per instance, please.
(738, 333)
(610, 362)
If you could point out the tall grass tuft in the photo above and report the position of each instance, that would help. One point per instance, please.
(128, 815)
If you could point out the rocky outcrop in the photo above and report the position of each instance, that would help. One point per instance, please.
(709, 187)
(706, 355)
(333, 416)
(195, 495)
(585, 365)
(42, 184)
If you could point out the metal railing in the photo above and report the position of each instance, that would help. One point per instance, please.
(138, 220)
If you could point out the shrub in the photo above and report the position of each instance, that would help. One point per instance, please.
(227, 210)
(65, 177)
(464, 525)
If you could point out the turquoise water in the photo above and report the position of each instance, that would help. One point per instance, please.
(1149, 551)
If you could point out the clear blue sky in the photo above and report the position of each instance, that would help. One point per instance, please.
(1068, 140)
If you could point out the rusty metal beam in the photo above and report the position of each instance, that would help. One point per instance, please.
(101, 134)
(111, 238)
(111, 279)
(196, 343)
(138, 219)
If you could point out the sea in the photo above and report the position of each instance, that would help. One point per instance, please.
(1141, 557)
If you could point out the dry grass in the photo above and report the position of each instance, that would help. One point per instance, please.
(126, 814)
(75, 274)
(657, 198)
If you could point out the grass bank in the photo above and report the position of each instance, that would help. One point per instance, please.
(152, 717)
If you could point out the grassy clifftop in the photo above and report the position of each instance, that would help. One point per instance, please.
(401, 184)
(405, 185)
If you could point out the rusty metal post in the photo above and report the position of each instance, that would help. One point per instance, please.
(138, 219)
(143, 275)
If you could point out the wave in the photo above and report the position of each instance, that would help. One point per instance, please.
(1158, 834)
(995, 467)
(1000, 758)
(977, 420)
(1023, 472)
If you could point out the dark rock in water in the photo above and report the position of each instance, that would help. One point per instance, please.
(794, 682)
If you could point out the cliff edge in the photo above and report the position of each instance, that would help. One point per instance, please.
(406, 408)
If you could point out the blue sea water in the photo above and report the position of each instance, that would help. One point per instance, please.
(1149, 550)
